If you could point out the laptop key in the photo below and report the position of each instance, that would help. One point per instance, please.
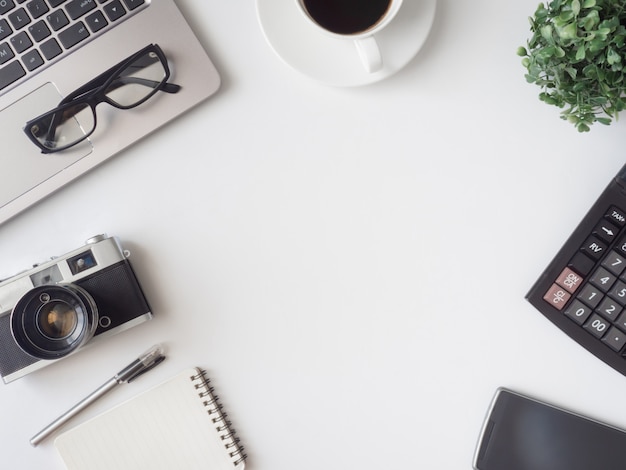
(73, 35)
(19, 18)
(6, 53)
(6, 6)
(39, 31)
(50, 49)
(96, 21)
(32, 60)
(56, 3)
(5, 29)
(132, 4)
(11, 73)
(57, 20)
(37, 8)
(77, 8)
(114, 10)
(21, 42)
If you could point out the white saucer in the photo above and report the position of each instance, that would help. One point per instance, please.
(336, 61)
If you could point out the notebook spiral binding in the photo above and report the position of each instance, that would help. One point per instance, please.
(218, 417)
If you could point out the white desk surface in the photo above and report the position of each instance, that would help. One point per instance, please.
(349, 265)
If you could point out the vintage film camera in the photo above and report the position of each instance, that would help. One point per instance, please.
(58, 306)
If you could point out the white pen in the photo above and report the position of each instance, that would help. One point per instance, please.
(142, 364)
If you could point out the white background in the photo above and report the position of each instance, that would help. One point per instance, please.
(349, 264)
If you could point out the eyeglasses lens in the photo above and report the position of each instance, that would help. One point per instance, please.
(137, 82)
(64, 127)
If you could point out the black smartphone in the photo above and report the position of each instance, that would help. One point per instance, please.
(522, 433)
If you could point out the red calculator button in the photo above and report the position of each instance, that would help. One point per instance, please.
(569, 280)
(557, 296)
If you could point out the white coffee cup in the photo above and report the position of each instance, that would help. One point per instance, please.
(353, 20)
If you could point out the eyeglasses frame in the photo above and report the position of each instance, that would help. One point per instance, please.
(92, 93)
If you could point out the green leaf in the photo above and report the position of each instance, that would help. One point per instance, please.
(546, 32)
(580, 53)
(541, 12)
(590, 20)
(589, 3)
(595, 45)
(569, 31)
(603, 33)
(613, 57)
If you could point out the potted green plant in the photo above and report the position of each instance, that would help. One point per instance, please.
(577, 56)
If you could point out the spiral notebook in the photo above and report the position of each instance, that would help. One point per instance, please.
(177, 424)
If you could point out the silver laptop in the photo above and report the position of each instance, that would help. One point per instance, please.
(50, 48)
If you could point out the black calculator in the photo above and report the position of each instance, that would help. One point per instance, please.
(583, 290)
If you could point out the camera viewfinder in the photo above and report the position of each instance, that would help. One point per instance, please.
(82, 262)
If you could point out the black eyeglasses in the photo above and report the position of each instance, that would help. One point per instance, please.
(124, 86)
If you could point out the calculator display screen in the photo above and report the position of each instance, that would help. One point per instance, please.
(524, 434)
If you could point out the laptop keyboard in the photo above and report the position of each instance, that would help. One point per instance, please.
(35, 33)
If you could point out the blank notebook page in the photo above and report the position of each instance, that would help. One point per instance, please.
(175, 425)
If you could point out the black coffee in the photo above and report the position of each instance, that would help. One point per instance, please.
(346, 16)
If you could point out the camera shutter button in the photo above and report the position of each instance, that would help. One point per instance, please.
(95, 239)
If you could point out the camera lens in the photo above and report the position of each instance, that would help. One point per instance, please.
(57, 320)
(51, 321)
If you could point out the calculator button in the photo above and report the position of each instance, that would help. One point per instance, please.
(603, 279)
(619, 292)
(578, 312)
(615, 339)
(609, 308)
(616, 215)
(621, 321)
(597, 326)
(557, 297)
(594, 247)
(606, 231)
(621, 245)
(581, 263)
(590, 295)
(569, 280)
(615, 263)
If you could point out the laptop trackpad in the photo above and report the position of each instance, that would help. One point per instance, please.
(23, 165)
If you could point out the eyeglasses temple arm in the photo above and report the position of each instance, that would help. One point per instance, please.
(166, 87)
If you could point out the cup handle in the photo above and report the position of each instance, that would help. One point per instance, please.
(369, 53)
